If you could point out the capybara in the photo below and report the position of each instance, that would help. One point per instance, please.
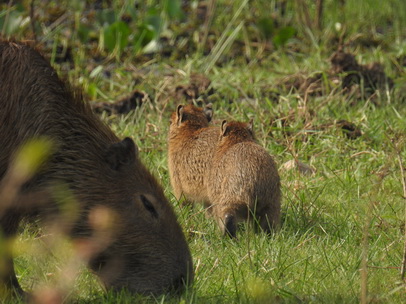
(148, 252)
(243, 181)
(191, 143)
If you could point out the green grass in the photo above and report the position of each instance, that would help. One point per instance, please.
(316, 257)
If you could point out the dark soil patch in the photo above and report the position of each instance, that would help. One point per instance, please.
(301, 121)
(345, 72)
(123, 105)
(351, 130)
(295, 121)
(314, 85)
(371, 76)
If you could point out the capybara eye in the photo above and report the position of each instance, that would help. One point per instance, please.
(148, 205)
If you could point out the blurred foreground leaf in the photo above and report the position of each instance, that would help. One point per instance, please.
(31, 156)
(283, 35)
(173, 9)
(116, 35)
(12, 21)
(266, 27)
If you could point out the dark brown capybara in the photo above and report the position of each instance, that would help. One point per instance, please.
(243, 181)
(148, 252)
(191, 143)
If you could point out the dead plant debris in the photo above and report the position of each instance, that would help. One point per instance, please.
(313, 85)
(345, 72)
(199, 86)
(372, 76)
(289, 125)
(123, 105)
(351, 130)
(298, 166)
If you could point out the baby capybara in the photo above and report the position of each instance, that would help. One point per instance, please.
(243, 181)
(191, 143)
(148, 252)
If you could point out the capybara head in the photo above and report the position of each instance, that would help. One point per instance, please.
(148, 252)
(141, 246)
(236, 131)
(191, 116)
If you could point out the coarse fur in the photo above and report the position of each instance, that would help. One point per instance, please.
(191, 143)
(148, 252)
(243, 181)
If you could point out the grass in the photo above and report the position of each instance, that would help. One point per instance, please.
(317, 256)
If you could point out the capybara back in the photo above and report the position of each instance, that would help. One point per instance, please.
(191, 144)
(243, 181)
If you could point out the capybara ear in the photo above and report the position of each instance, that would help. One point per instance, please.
(208, 111)
(179, 114)
(121, 153)
(224, 129)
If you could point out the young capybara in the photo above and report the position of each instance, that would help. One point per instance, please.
(243, 181)
(191, 143)
(148, 252)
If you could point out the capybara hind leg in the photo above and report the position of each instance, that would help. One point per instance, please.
(228, 225)
(268, 221)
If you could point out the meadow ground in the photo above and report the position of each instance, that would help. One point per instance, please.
(343, 230)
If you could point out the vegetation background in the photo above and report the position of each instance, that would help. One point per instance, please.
(343, 232)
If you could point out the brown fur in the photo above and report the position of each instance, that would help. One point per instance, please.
(243, 181)
(191, 144)
(148, 252)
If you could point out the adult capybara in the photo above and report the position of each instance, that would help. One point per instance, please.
(191, 143)
(148, 252)
(243, 181)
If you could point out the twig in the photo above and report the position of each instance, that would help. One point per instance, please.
(364, 255)
(225, 41)
(395, 146)
(365, 243)
(207, 22)
(32, 20)
(384, 267)
(363, 152)
(402, 174)
(3, 31)
(304, 14)
(319, 14)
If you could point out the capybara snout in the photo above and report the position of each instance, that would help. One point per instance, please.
(150, 257)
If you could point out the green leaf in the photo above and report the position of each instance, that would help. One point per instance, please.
(284, 34)
(106, 16)
(173, 9)
(155, 21)
(31, 156)
(92, 90)
(116, 35)
(266, 27)
(145, 34)
(83, 32)
(15, 22)
(96, 71)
